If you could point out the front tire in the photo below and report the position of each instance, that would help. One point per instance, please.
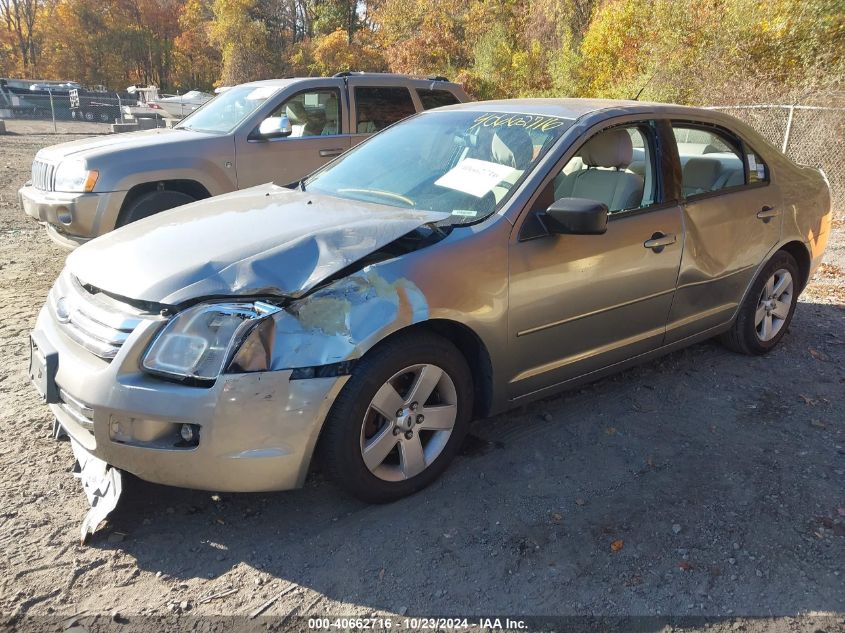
(151, 203)
(399, 420)
(767, 311)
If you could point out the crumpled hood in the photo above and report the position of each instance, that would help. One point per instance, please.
(99, 145)
(267, 240)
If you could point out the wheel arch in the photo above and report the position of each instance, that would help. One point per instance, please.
(193, 188)
(471, 347)
(799, 252)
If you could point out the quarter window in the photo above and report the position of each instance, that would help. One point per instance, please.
(710, 160)
(758, 170)
(379, 107)
(436, 98)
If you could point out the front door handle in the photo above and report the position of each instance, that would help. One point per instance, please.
(767, 213)
(337, 151)
(659, 241)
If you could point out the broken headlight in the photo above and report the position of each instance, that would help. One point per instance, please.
(198, 343)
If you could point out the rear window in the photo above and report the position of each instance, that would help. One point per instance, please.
(436, 98)
(379, 107)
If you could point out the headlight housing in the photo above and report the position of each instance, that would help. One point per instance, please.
(72, 176)
(198, 343)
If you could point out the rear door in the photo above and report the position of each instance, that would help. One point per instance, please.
(317, 115)
(732, 218)
(377, 103)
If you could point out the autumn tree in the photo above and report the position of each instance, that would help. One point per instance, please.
(19, 21)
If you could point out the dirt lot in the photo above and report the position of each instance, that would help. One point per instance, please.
(703, 484)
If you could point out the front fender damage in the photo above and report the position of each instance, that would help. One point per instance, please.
(333, 326)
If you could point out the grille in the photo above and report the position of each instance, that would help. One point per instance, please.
(97, 322)
(42, 175)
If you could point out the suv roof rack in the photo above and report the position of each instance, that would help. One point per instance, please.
(350, 73)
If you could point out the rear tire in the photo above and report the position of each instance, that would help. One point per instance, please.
(765, 315)
(151, 203)
(416, 376)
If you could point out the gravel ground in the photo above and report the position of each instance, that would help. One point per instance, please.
(702, 484)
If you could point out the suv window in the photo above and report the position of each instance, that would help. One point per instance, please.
(436, 98)
(710, 160)
(377, 108)
(312, 113)
(615, 166)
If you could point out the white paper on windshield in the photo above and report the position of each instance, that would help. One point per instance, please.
(475, 177)
(262, 92)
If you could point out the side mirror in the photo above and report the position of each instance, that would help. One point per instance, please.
(275, 127)
(576, 216)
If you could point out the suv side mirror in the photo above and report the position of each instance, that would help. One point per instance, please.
(576, 216)
(274, 127)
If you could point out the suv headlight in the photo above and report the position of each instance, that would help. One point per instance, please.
(72, 176)
(198, 343)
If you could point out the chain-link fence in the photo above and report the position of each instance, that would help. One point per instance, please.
(61, 105)
(810, 135)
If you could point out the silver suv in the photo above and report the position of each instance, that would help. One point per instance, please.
(277, 130)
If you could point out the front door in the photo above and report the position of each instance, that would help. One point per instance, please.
(316, 117)
(579, 303)
(732, 216)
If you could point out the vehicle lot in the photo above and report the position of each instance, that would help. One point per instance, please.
(704, 483)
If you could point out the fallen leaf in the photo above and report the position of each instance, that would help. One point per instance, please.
(557, 517)
(617, 545)
(818, 424)
(808, 400)
(819, 355)
(610, 430)
(842, 512)
(381, 574)
(649, 461)
(684, 565)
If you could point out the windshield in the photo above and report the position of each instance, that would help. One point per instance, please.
(226, 112)
(460, 162)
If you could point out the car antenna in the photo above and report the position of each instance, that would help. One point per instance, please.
(645, 85)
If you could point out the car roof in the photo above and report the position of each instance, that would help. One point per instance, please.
(576, 108)
(410, 79)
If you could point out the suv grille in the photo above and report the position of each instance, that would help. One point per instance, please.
(42, 175)
(98, 322)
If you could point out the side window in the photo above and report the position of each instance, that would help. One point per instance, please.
(710, 160)
(379, 107)
(758, 170)
(615, 166)
(312, 113)
(436, 98)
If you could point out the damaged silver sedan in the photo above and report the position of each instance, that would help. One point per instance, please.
(462, 262)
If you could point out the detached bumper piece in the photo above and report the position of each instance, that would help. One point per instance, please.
(102, 485)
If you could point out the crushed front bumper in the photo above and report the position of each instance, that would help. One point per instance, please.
(256, 431)
(72, 218)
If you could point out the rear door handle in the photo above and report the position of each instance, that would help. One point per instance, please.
(337, 151)
(659, 241)
(767, 213)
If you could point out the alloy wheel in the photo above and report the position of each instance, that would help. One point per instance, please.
(408, 422)
(774, 305)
